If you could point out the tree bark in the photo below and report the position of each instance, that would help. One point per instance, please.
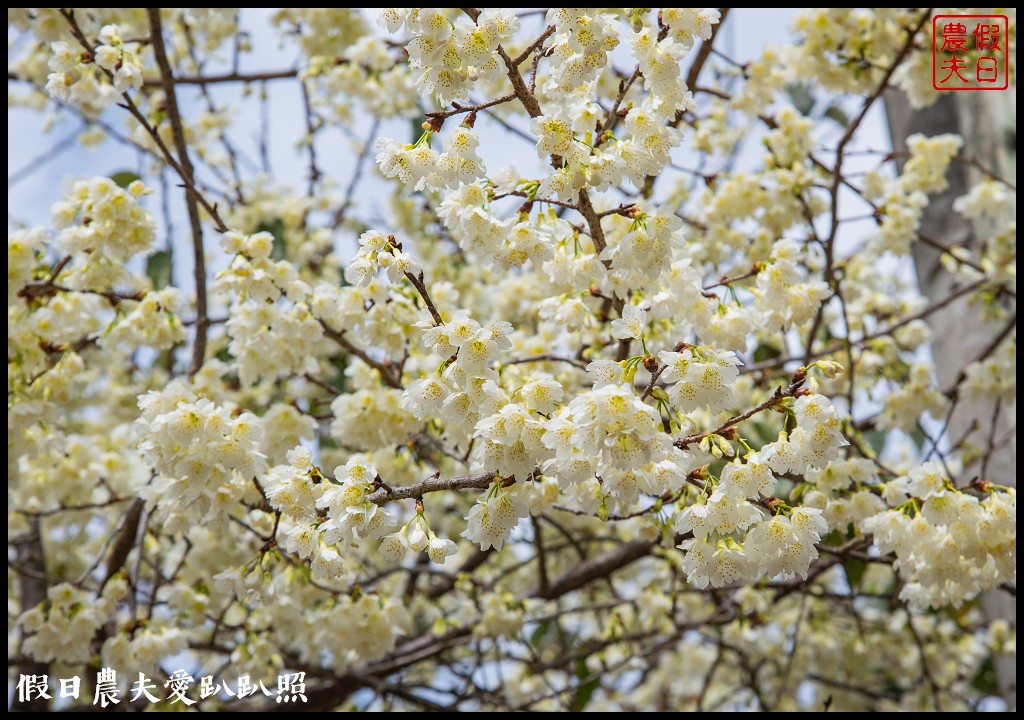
(32, 583)
(987, 122)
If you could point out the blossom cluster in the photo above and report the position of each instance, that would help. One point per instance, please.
(202, 456)
(949, 545)
(693, 385)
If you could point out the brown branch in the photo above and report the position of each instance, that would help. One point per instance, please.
(705, 50)
(547, 358)
(69, 508)
(431, 485)
(624, 209)
(187, 174)
(49, 287)
(326, 386)
(231, 77)
(474, 561)
(521, 57)
(774, 400)
(666, 499)
(385, 370)
(129, 105)
(357, 173)
(314, 169)
(232, 152)
(873, 98)
(601, 566)
(857, 689)
(791, 654)
(1010, 327)
(828, 244)
(527, 98)
(32, 588)
(425, 647)
(926, 671)
(727, 281)
(654, 379)
(421, 288)
(458, 109)
(53, 151)
(126, 540)
(544, 582)
(114, 298)
(586, 209)
(603, 129)
(550, 201)
(838, 346)
(944, 249)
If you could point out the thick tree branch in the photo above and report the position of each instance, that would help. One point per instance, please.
(32, 587)
(188, 175)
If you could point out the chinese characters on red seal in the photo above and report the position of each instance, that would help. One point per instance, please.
(969, 52)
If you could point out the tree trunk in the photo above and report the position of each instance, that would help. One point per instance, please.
(32, 581)
(987, 121)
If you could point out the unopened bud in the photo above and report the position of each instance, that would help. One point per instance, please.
(829, 368)
(629, 373)
(772, 503)
(980, 485)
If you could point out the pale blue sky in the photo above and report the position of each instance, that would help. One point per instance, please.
(744, 36)
(746, 33)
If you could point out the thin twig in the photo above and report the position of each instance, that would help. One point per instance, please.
(54, 151)
(431, 485)
(384, 369)
(421, 288)
(774, 400)
(548, 358)
(231, 77)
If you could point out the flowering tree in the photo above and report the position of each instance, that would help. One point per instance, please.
(653, 425)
